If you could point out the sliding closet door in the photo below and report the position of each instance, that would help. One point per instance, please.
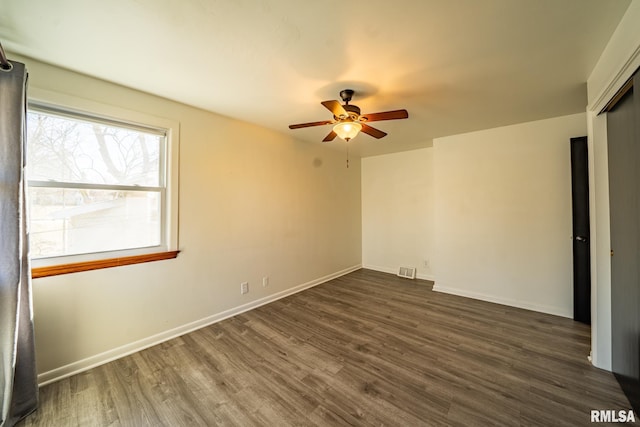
(623, 128)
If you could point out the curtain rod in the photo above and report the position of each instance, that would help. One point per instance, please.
(4, 62)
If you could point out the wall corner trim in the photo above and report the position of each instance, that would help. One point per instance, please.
(616, 81)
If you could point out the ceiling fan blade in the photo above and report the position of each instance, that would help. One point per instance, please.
(387, 115)
(330, 137)
(376, 133)
(335, 107)
(306, 125)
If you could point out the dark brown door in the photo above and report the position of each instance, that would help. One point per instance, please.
(581, 238)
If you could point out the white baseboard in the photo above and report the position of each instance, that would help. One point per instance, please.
(557, 311)
(391, 270)
(125, 350)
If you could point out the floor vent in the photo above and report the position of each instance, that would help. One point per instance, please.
(407, 272)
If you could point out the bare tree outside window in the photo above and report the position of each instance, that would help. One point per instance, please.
(93, 186)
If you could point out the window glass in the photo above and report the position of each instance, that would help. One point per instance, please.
(73, 150)
(93, 186)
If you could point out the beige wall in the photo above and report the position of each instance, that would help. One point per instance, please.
(397, 212)
(490, 211)
(503, 214)
(253, 203)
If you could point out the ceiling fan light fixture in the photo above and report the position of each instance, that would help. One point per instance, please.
(348, 121)
(347, 130)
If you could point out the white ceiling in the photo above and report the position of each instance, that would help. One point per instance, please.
(455, 65)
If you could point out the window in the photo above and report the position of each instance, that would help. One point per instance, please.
(98, 187)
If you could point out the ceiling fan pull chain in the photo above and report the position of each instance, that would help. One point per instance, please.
(347, 155)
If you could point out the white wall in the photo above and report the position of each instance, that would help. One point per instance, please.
(619, 60)
(617, 63)
(397, 212)
(600, 242)
(253, 203)
(503, 214)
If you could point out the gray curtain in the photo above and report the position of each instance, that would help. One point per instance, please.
(18, 380)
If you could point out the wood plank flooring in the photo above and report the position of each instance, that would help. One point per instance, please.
(364, 349)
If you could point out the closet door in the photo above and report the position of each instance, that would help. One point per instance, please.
(623, 128)
(581, 232)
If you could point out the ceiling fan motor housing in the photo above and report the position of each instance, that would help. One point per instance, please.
(353, 111)
(346, 95)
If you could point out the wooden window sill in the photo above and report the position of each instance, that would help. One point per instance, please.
(76, 267)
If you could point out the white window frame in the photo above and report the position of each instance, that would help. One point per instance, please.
(65, 105)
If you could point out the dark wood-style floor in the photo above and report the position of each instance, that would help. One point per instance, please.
(365, 349)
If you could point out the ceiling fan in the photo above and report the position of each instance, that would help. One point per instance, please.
(348, 121)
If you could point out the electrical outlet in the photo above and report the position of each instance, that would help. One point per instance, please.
(265, 281)
(244, 287)
(425, 263)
